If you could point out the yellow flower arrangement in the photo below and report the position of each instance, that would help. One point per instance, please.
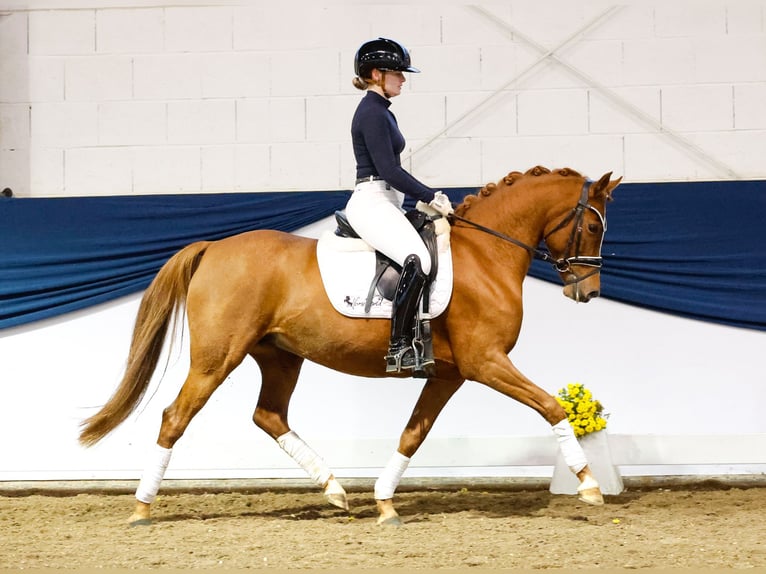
(585, 414)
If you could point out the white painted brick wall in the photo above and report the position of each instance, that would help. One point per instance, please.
(64, 124)
(203, 29)
(14, 126)
(98, 171)
(750, 106)
(167, 77)
(217, 96)
(552, 112)
(62, 32)
(98, 79)
(265, 120)
(698, 108)
(132, 123)
(201, 121)
(167, 169)
(130, 31)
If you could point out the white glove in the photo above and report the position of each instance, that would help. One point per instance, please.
(441, 203)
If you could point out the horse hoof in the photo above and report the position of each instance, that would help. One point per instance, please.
(139, 522)
(591, 496)
(335, 494)
(337, 499)
(390, 521)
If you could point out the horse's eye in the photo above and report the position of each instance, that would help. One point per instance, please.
(594, 227)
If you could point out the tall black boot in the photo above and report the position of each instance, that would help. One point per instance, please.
(401, 355)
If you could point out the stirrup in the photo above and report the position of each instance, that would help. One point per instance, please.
(404, 358)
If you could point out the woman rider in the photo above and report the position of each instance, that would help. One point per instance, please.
(375, 208)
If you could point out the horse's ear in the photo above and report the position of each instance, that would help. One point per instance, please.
(604, 187)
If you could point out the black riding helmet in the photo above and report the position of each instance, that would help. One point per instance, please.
(383, 54)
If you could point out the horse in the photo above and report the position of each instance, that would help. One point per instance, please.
(260, 294)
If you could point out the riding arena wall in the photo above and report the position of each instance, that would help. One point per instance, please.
(194, 97)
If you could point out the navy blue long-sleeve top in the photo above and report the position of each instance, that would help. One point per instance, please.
(378, 144)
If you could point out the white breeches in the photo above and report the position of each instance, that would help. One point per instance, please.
(376, 214)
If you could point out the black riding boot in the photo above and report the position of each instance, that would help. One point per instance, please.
(401, 355)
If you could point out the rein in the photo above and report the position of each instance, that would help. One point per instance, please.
(563, 264)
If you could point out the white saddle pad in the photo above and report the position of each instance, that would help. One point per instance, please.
(347, 266)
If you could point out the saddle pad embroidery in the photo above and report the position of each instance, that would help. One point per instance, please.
(347, 267)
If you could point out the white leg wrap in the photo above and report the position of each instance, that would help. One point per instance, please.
(306, 458)
(390, 477)
(153, 473)
(574, 457)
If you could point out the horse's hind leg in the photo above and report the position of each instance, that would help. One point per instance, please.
(432, 400)
(279, 374)
(197, 389)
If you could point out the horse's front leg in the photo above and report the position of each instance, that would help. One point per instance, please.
(498, 372)
(280, 370)
(433, 397)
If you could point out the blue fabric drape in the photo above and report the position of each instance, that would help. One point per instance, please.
(63, 254)
(692, 249)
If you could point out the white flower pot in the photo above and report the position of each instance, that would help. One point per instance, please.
(596, 448)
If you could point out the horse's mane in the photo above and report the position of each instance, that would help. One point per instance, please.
(509, 180)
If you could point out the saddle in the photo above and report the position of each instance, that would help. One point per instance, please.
(387, 271)
(386, 278)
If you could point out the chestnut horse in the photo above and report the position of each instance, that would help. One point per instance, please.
(260, 294)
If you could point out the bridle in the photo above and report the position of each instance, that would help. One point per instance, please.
(572, 252)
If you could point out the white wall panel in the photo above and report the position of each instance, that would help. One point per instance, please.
(287, 75)
(749, 108)
(13, 34)
(45, 170)
(14, 167)
(15, 73)
(98, 79)
(678, 19)
(201, 121)
(658, 61)
(167, 76)
(235, 167)
(305, 166)
(726, 59)
(553, 112)
(419, 116)
(497, 118)
(274, 120)
(44, 78)
(606, 115)
(202, 29)
(303, 73)
(698, 108)
(97, 171)
(14, 126)
(654, 158)
(132, 123)
(328, 118)
(62, 32)
(130, 31)
(235, 74)
(64, 124)
(166, 169)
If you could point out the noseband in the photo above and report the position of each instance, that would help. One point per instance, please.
(572, 253)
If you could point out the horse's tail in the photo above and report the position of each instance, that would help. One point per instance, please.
(159, 309)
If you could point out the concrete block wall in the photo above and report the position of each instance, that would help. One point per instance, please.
(109, 98)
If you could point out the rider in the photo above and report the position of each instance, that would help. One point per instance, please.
(375, 208)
